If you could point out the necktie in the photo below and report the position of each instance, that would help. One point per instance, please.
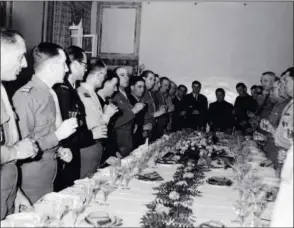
(58, 119)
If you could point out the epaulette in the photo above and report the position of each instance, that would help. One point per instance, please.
(26, 89)
(64, 86)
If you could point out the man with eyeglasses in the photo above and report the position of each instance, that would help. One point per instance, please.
(72, 106)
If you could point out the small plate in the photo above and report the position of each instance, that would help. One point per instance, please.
(219, 180)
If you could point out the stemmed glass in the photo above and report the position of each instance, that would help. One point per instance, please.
(126, 177)
(106, 189)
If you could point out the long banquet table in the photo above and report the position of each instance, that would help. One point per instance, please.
(215, 203)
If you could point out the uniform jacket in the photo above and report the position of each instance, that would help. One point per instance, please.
(8, 152)
(148, 99)
(94, 111)
(36, 111)
(69, 100)
(125, 116)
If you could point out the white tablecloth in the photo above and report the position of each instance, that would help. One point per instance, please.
(215, 203)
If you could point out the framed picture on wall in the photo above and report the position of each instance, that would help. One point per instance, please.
(118, 30)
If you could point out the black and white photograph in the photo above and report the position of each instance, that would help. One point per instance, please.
(151, 114)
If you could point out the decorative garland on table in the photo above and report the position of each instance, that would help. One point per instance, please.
(252, 192)
(172, 205)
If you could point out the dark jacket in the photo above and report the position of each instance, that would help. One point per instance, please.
(69, 100)
(125, 116)
(221, 116)
(139, 122)
(241, 107)
(123, 123)
(178, 121)
(201, 104)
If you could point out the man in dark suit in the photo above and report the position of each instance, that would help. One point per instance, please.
(244, 104)
(196, 108)
(124, 119)
(72, 106)
(137, 86)
(221, 113)
(178, 120)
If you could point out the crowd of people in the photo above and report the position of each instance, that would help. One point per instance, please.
(65, 122)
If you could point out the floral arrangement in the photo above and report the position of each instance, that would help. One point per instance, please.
(251, 191)
(173, 202)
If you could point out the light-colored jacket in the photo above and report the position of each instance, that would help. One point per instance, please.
(286, 123)
(36, 112)
(283, 210)
(8, 128)
(94, 113)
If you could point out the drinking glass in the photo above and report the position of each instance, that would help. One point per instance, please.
(114, 176)
(72, 114)
(127, 179)
(106, 189)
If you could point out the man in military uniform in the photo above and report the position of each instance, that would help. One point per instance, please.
(39, 118)
(71, 105)
(12, 61)
(96, 117)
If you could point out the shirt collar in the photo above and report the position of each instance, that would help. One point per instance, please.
(71, 83)
(195, 95)
(101, 97)
(135, 97)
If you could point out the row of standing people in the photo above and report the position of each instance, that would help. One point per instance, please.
(52, 132)
(66, 129)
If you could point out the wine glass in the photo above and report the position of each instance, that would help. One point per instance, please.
(107, 189)
(127, 179)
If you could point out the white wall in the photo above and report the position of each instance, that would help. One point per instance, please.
(217, 43)
(27, 18)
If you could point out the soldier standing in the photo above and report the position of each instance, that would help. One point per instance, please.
(39, 118)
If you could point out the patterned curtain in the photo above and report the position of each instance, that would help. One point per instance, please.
(62, 19)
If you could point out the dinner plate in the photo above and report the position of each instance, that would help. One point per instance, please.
(102, 219)
(219, 181)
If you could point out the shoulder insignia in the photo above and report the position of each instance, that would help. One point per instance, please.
(26, 89)
(64, 86)
(87, 95)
